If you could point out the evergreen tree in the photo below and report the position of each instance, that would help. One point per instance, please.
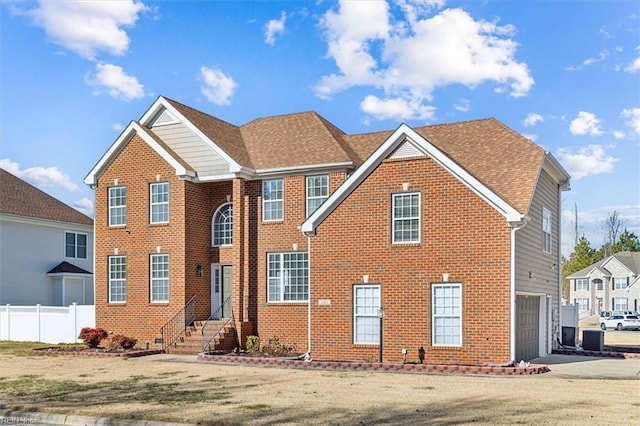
(583, 255)
(628, 241)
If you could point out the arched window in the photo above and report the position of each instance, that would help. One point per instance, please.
(223, 226)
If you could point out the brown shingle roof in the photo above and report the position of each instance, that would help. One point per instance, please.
(19, 198)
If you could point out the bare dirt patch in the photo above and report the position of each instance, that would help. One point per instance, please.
(179, 389)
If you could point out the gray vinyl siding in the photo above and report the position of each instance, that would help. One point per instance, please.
(530, 258)
(204, 160)
(28, 250)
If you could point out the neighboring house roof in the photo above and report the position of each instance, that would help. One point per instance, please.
(19, 198)
(629, 259)
(68, 268)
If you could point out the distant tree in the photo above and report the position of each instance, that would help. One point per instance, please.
(628, 241)
(611, 227)
(582, 256)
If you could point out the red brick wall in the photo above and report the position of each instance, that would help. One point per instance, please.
(460, 235)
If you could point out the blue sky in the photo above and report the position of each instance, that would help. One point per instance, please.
(566, 74)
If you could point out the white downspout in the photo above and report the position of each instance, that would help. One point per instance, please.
(309, 295)
(512, 315)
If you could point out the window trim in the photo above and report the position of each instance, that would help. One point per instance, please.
(395, 220)
(163, 279)
(111, 280)
(76, 245)
(582, 302)
(435, 286)
(547, 227)
(281, 276)
(582, 284)
(216, 241)
(112, 208)
(614, 304)
(309, 198)
(376, 315)
(619, 283)
(158, 203)
(280, 200)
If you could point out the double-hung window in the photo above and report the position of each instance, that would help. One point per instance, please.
(223, 226)
(75, 245)
(272, 200)
(159, 202)
(159, 278)
(288, 277)
(406, 218)
(446, 316)
(317, 192)
(582, 284)
(619, 303)
(546, 230)
(366, 320)
(117, 279)
(582, 304)
(619, 283)
(117, 206)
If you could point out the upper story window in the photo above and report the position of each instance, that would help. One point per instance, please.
(546, 230)
(117, 206)
(366, 320)
(159, 202)
(75, 245)
(223, 226)
(582, 284)
(159, 278)
(406, 218)
(272, 200)
(317, 192)
(599, 284)
(288, 277)
(446, 320)
(619, 283)
(117, 279)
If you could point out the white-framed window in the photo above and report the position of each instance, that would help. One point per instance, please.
(317, 192)
(582, 284)
(288, 277)
(117, 206)
(159, 277)
(446, 316)
(117, 279)
(619, 303)
(406, 218)
(546, 230)
(159, 202)
(582, 304)
(620, 283)
(599, 285)
(75, 245)
(272, 200)
(366, 320)
(223, 226)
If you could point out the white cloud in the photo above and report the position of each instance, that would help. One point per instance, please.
(40, 176)
(463, 105)
(586, 161)
(116, 82)
(601, 57)
(585, 124)
(273, 27)
(87, 27)
(218, 88)
(84, 205)
(532, 119)
(530, 136)
(633, 118)
(618, 134)
(634, 67)
(410, 58)
(118, 127)
(396, 109)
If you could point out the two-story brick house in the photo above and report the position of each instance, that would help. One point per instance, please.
(299, 231)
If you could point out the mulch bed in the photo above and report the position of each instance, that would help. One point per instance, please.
(88, 352)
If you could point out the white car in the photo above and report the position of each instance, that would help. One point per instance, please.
(621, 322)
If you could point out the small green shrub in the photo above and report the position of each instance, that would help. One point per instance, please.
(253, 343)
(92, 336)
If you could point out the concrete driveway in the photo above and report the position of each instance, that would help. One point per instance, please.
(585, 367)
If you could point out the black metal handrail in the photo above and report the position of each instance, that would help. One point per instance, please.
(177, 325)
(208, 331)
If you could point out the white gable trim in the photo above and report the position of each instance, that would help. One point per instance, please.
(132, 129)
(400, 135)
(611, 259)
(161, 103)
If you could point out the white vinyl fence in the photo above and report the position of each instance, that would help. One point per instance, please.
(48, 324)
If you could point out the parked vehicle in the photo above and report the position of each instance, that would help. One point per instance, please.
(621, 322)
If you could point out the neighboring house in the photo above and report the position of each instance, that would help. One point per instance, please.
(46, 248)
(613, 284)
(298, 231)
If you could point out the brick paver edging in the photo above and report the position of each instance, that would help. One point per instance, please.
(373, 366)
(98, 353)
(600, 354)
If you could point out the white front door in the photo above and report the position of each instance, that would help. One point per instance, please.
(216, 295)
